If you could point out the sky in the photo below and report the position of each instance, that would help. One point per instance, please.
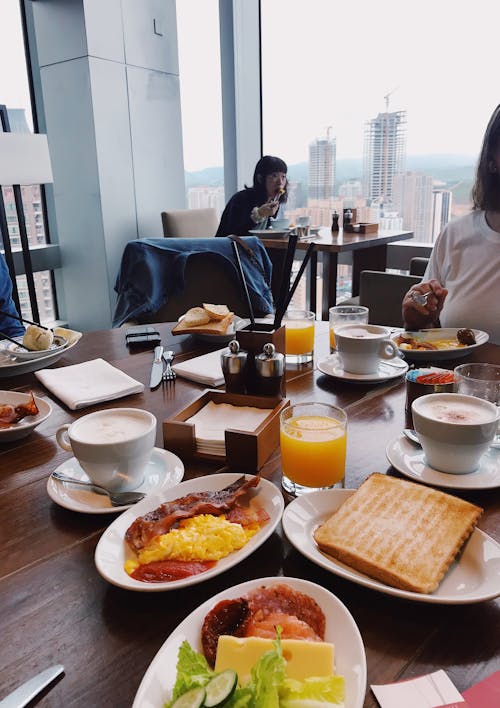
(329, 63)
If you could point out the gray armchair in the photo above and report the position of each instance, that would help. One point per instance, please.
(189, 223)
(383, 294)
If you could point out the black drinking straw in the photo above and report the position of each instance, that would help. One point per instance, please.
(244, 283)
(302, 268)
(285, 280)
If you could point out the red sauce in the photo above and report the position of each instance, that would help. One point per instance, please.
(169, 570)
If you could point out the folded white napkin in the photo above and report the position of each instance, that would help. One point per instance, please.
(212, 421)
(205, 369)
(91, 382)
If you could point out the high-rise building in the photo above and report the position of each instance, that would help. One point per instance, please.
(322, 168)
(441, 210)
(384, 154)
(412, 198)
(207, 197)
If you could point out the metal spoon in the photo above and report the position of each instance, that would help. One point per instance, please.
(116, 498)
(411, 435)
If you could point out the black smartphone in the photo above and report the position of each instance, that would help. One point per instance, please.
(142, 334)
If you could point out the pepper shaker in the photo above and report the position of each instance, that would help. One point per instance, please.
(234, 364)
(270, 367)
(335, 221)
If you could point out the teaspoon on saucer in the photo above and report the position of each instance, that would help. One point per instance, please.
(116, 498)
(411, 435)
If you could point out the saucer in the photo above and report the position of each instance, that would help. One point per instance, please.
(387, 370)
(164, 470)
(410, 461)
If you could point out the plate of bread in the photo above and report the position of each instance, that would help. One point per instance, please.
(210, 323)
(400, 538)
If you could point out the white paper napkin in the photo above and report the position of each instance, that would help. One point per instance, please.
(91, 382)
(211, 421)
(205, 369)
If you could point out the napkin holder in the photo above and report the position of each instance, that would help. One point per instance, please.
(252, 341)
(367, 228)
(246, 451)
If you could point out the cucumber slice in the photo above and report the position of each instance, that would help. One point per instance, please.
(194, 698)
(220, 688)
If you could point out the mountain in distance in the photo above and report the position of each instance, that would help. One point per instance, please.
(449, 169)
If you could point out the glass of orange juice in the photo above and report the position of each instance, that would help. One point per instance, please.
(299, 336)
(345, 314)
(313, 447)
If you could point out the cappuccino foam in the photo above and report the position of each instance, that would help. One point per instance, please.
(459, 413)
(359, 333)
(111, 427)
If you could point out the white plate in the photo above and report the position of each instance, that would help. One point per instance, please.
(28, 424)
(475, 577)
(341, 630)
(270, 233)
(12, 366)
(332, 366)
(21, 354)
(444, 333)
(112, 551)
(164, 470)
(409, 459)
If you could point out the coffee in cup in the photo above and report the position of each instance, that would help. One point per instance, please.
(454, 430)
(112, 446)
(361, 346)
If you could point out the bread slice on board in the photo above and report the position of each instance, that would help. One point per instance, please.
(404, 534)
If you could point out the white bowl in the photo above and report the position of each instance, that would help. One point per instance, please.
(57, 345)
(25, 426)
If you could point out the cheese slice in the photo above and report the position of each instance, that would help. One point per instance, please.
(303, 658)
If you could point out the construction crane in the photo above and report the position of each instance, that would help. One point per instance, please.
(386, 98)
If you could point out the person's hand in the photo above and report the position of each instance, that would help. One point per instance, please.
(269, 208)
(417, 316)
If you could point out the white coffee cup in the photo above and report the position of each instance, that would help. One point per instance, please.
(113, 446)
(280, 224)
(454, 430)
(361, 346)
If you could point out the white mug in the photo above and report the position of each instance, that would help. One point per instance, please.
(112, 446)
(361, 346)
(455, 430)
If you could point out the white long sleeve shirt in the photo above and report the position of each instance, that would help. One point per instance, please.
(466, 260)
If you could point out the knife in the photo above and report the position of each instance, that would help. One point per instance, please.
(157, 368)
(31, 688)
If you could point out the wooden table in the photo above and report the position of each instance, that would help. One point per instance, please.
(369, 252)
(55, 608)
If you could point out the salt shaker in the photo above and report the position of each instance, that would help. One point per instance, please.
(233, 364)
(335, 221)
(270, 368)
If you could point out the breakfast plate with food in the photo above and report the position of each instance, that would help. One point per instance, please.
(189, 533)
(51, 347)
(270, 233)
(210, 323)
(400, 538)
(439, 343)
(330, 670)
(20, 413)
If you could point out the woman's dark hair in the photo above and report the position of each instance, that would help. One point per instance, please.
(486, 188)
(266, 166)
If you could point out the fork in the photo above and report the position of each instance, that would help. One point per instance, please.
(169, 374)
(420, 298)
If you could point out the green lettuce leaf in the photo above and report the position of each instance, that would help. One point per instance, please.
(192, 671)
(317, 690)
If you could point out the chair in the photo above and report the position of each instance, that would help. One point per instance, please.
(189, 223)
(206, 279)
(418, 265)
(383, 294)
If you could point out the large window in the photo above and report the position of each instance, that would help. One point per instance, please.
(15, 95)
(394, 102)
(200, 86)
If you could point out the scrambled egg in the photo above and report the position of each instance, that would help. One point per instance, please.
(200, 538)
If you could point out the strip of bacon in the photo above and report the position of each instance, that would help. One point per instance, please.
(161, 520)
(9, 415)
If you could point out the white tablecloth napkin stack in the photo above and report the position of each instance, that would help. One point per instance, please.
(82, 385)
(205, 369)
(212, 421)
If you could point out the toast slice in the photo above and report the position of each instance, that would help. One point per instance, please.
(404, 534)
(216, 312)
(211, 327)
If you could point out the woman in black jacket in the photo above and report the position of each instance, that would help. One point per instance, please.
(253, 206)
